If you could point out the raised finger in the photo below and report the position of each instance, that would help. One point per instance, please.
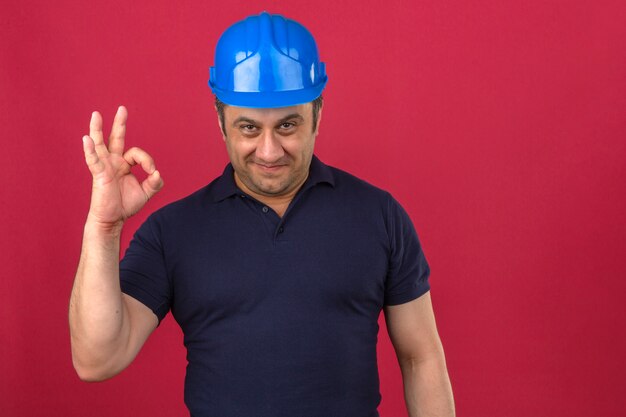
(94, 163)
(95, 128)
(118, 131)
(135, 156)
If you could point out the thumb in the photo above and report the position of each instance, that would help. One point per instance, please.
(152, 184)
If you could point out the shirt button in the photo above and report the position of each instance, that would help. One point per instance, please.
(265, 209)
(280, 229)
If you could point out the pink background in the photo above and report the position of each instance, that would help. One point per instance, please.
(499, 125)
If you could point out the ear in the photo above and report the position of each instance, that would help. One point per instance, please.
(319, 119)
(219, 122)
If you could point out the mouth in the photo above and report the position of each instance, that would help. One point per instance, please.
(269, 168)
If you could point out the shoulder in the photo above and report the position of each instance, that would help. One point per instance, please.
(362, 195)
(349, 184)
(186, 207)
(185, 204)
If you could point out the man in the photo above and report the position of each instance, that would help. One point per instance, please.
(276, 271)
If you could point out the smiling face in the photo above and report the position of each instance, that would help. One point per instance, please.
(270, 149)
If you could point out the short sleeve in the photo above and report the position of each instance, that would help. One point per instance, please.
(408, 272)
(143, 273)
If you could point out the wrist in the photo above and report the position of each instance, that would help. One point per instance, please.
(95, 226)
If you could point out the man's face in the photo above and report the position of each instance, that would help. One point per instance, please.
(270, 149)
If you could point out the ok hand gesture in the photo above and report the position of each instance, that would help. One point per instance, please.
(116, 193)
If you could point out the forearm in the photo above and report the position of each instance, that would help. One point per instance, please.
(427, 389)
(97, 312)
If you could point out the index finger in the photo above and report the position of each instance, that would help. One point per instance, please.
(118, 131)
(95, 129)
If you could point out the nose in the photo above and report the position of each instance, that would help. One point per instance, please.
(269, 149)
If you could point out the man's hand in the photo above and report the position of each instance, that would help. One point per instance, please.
(116, 194)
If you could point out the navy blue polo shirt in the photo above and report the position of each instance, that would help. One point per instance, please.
(279, 315)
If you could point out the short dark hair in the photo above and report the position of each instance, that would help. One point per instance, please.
(316, 104)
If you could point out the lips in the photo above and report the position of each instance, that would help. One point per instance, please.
(269, 167)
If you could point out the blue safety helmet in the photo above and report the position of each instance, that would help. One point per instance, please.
(267, 61)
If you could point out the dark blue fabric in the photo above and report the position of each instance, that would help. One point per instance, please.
(280, 316)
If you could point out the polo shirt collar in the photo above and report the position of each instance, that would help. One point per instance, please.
(225, 186)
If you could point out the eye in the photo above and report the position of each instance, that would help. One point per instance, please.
(286, 125)
(248, 128)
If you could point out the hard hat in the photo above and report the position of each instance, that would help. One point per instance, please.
(267, 61)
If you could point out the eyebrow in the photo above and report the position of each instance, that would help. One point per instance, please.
(291, 117)
(254, 122)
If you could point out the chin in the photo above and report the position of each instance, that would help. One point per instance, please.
(271, 191)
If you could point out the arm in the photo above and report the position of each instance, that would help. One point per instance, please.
(108, 328)
(413, 333)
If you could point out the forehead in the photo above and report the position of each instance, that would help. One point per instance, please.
(268, 115)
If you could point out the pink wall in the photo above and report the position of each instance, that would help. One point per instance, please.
(500, 126)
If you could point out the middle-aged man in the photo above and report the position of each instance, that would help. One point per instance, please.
(276, 271)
